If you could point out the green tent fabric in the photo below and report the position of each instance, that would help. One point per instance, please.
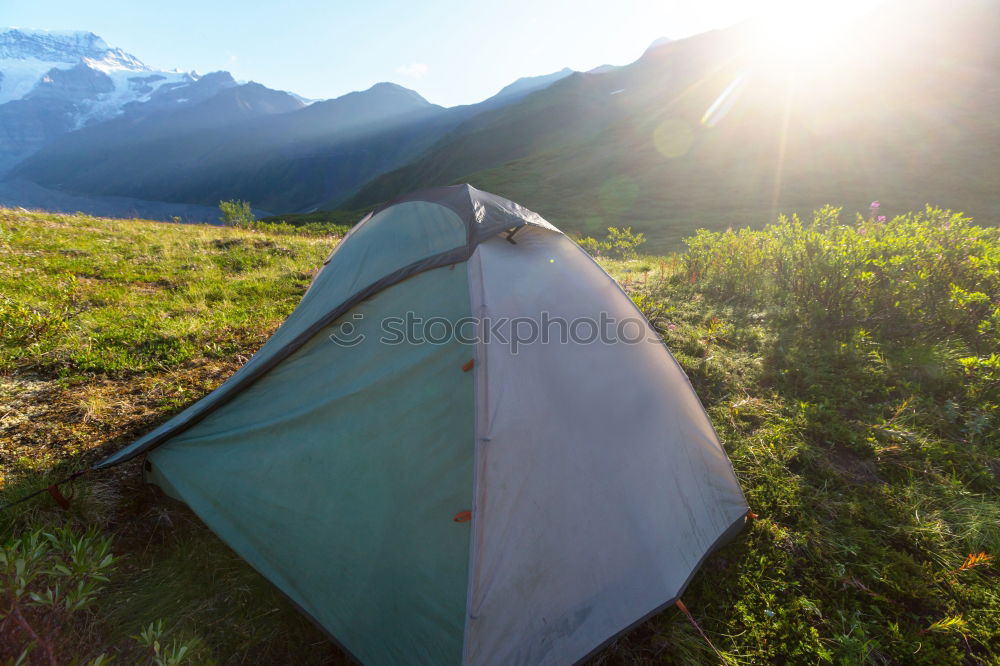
(457, 500)
(362, 529)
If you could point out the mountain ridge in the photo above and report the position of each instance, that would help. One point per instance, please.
(705, 131)
(289, 160)
(199, 139)
(67, 46)
(702, 131)
(55, 82)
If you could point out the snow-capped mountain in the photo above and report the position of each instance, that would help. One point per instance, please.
(77, 67)
(57, 46)
(55, 82)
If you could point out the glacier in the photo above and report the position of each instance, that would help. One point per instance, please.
(29, 59)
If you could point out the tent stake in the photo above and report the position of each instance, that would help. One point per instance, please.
(52, 490)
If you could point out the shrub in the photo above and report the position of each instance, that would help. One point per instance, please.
(161, 653)
(46, 578)
(594, 247)
(932, 274)
(623, 244)
(618, 244)
(307, 229)
(237, 214)
(923, 288)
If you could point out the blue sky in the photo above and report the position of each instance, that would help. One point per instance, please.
(451, 51)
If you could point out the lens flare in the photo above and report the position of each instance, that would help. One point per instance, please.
(673, 138)
(725, 101)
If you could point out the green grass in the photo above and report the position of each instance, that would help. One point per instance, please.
(849, 370)
(344, 219)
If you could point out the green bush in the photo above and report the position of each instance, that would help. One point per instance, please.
(47, 578)
(237, 214)
(618, 244)
(910, 306)
(623, 244)
(928, 274)
(307, 229)
(594, 247)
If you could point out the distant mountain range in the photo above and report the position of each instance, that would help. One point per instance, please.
(83, 119)
(711, 132)
(704, 131)
(253, 143)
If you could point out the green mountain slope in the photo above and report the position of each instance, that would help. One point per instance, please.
(252, 143)
(716, 130)
(247, 142)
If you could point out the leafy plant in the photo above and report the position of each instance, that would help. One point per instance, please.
(618, 244)
(931, 273)
(46, 578)
(237, 213)
(593, 246)
(623, 244)
(306, 229)
(162, 653)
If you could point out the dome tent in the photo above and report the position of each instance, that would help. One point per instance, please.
(459, 499)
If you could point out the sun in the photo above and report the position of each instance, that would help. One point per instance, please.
(801, 32)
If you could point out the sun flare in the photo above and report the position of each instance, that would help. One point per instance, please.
(801, 31)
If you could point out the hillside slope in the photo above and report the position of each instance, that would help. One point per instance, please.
(256, 144)
(721, 129)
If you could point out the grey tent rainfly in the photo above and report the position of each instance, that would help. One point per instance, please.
(463, 500)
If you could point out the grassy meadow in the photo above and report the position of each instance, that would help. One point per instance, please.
(851, 368)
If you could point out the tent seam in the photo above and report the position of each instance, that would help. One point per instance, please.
(480, 396)
(454, 256)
